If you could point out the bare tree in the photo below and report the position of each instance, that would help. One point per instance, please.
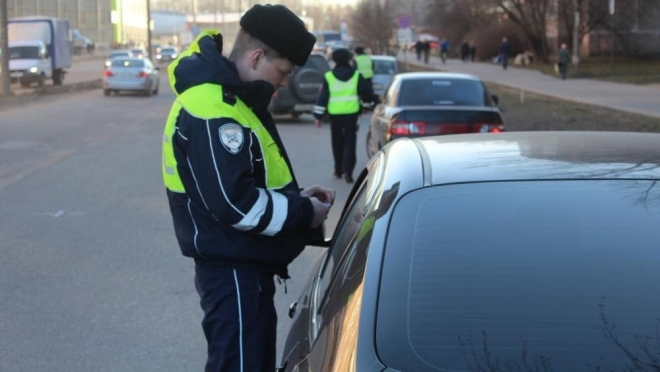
(372, 24)
(531, 17)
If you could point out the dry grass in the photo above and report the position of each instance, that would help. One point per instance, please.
(624, 70)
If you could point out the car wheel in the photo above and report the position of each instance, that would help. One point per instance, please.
(106, 92)
(156, 90)
(25, 84)
(42, 80)
(295, 115)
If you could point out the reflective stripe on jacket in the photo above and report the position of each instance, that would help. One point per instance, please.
(343, 94)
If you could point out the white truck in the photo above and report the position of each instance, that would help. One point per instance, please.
(39, 50)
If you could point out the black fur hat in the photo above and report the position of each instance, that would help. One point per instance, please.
(341, 56)
(280, 29)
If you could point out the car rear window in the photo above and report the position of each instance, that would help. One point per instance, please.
(523, 276)
(168, 50)
(127, 63)
(439, 91)
(317, 63)
(383, 67)
(119, 54)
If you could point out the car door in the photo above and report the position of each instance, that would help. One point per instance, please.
(382, 115)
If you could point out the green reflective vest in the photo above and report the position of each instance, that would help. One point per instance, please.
(195, 101)
(343, 94)
(365, 66)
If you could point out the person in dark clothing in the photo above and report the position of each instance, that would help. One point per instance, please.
(426, 50)
(505, 50)
(473, 50)
(563, 60)
(339, 97)
(235, 202)
(465, 51)
(418, 49)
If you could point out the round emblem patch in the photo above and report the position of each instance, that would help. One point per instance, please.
(231, 137)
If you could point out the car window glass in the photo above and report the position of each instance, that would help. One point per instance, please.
(384, 67)
(393, 93)
(347, 229)
(441, 92)
(552, 275)
(127, 63)
(317, 63)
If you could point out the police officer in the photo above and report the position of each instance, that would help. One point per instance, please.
(235, 202)
(364, 64)
(340, 95)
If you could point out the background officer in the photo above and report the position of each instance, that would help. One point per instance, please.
(235, 202)
(340, 96)
(364, 64)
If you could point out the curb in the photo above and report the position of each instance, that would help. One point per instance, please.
(48, 90)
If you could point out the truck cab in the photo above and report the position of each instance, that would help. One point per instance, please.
(29, 63)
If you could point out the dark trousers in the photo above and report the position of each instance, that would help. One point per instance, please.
(240, 322)
(343, 129)
(505, 61)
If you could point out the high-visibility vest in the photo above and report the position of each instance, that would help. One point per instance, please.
(343, 94)
(195, 102)
(365, 66)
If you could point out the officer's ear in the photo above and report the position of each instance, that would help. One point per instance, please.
(255, 57)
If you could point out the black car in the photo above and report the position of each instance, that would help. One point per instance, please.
(418, 104)
(303, 87)
(473, 252)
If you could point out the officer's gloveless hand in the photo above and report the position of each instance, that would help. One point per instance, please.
(321, 210)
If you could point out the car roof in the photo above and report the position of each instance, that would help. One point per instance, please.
(516, 156)
(383, 58)
(133, 59)
(436, 75)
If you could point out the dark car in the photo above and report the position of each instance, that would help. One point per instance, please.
(167, 54)
(418, 104)
(517, 252)
(303, 87)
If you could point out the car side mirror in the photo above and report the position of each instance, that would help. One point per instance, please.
(496, 99)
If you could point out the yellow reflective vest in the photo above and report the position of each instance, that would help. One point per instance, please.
(343, 94)
(365, 66)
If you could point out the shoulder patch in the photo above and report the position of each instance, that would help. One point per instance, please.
(231, 137)
(229, 98)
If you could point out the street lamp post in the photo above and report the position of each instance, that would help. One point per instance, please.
(6, 88)
(612, 10)
(149, 48)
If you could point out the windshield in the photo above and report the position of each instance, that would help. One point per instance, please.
(442, 91)
(24, 52)
(382, 67)
(119, 54)
(523, 276)
(168, 50)
(127, 63)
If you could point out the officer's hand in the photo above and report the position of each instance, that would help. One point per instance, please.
(317, 122)
(321, 210)
(322, 193)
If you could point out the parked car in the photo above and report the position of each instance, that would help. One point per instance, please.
(385, 68)
(529, 251)
(140, 53)
(131, 74)
(167, 54)
(303, 87)
(120, 53)
(419, 104)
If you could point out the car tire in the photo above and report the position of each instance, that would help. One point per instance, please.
(25, 84)
(58, 77)
(107, 92)
(295, 115)
(155, 92)
(42, 80)
(306, 84)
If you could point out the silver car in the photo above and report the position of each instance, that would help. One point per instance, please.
(385, 67)
(131, 74)
(121, 53)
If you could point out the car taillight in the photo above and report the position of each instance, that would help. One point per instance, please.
(404, 128)
(142, 74)
(107, 73)
(489, 128)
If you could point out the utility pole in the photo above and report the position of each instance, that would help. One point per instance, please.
(4, 45)
(149, 48)
(612, 11)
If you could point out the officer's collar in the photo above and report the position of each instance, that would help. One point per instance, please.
(256, 94)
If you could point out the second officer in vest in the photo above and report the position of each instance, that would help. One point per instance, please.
(364, 64)
(342, 95)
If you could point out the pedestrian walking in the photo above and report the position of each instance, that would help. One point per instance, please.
(505, 51)
(444, 50)
(339, 97)
(465, 51)
(234, 199)
(473, 51)
(418, 49)
(563, 60)
(426, 50)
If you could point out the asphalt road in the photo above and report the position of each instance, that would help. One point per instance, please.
(92, 278)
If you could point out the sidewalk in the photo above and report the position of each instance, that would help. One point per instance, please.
(636, 99)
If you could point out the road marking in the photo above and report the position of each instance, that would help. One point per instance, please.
(59, 213)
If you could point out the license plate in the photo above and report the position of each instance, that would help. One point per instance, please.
(303, 108)
(16, 74)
